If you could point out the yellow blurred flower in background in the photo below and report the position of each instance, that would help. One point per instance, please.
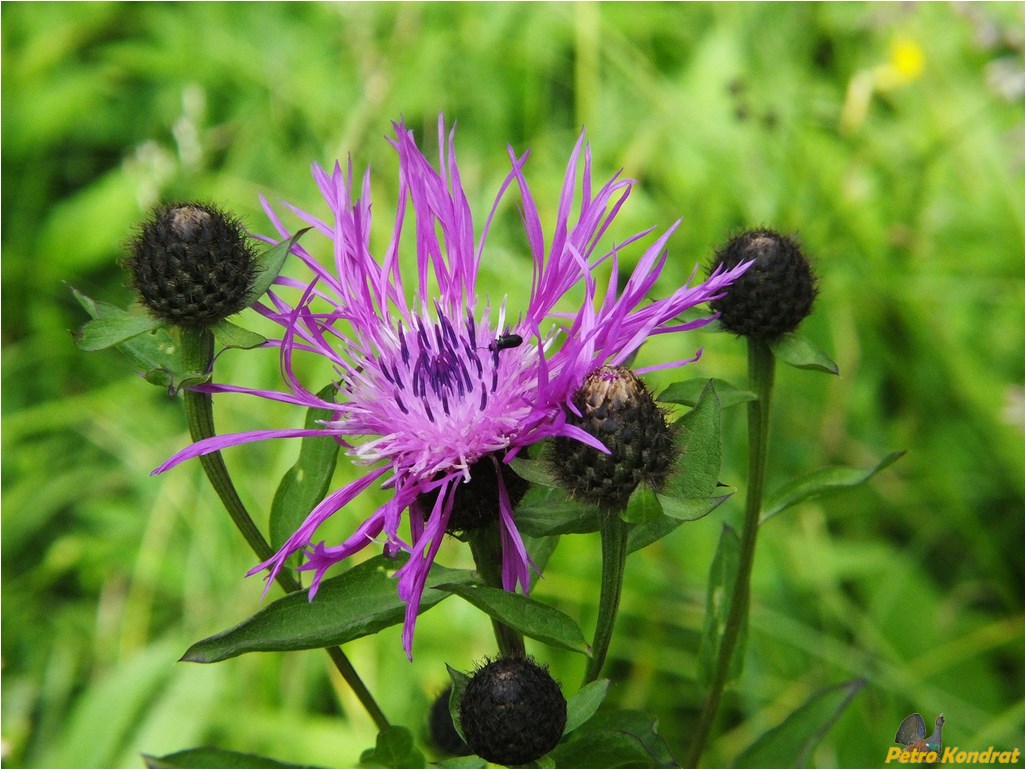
(905, 64)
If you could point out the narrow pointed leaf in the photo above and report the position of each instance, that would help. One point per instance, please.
(306, 483)
(821, 481)
(700, 444)
(791, 743)
(582, 705)
(691, 508)
(157, 355)
(676, 511)
(270, 263)
(229, 335)
(616, 738)
(209, 756)
(459, 685)
(798, 351)
(722, 577)
(528, 616)
(692, 489)
(357, 603)
(539, 550)
(102, 333)
(601, 749)
(688, 392)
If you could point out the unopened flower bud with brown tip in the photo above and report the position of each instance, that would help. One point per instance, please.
(512, 711)
(192, 264)
(618, 409)
(776, 292)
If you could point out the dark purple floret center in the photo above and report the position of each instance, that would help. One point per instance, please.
(444, 365)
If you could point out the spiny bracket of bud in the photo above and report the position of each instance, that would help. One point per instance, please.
(512, 711)
(618, 409)
(193, 265)
(776, 292)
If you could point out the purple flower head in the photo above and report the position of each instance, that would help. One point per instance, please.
(435, 385)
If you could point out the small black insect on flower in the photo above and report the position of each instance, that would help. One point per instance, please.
(505, 342)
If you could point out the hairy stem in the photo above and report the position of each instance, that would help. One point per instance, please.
(760, 377)
(198, 346)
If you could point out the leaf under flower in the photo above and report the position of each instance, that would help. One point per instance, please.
(359, 602)
(528, 616)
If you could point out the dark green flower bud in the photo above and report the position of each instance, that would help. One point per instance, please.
(512, 711)
(774, 295)
(618, 409)
(441, 731)
(192, 265)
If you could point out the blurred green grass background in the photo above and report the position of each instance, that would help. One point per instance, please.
(888, 137)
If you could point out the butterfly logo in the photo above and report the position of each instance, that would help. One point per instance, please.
(912, 733)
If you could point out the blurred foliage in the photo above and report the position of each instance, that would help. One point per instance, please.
(888, 137)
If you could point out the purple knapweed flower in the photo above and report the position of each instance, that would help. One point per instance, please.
(437, 387)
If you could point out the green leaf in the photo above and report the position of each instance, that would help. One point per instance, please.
(617, 738)
(157, 354)
(605, 748)
(582, 705)
(821, 481)
(642, 507)
(547, 511)
(459, 685)
(115, 328)
(270, 263)
(528, 616)
(801, 353)
(534, 471)
(394, 748)
(357, 603)
(691, 508)
(700, 444)
(229, 335)
(692, 489)
(305, 483)
(675, 512)
(688, 392)
(790, 744)
(539, 550)
(719, 596)
(209, 756)
(471, 762)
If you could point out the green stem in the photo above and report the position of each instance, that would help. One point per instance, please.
(760, 377)
(614, 559)
(487, 551)
(198, 348)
